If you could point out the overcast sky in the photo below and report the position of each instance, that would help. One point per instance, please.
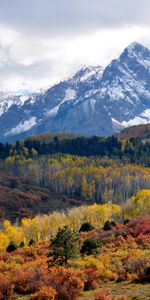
(44, 41)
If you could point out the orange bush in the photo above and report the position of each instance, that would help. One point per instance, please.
(106, 295)
(139, 268)
(28, 280)
(91, 275)
(45, 293)
(103, 295)
(67, 282)
(121, 297)
(6, 288)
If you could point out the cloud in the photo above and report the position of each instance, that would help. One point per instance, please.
(69, 16)
(43, 41)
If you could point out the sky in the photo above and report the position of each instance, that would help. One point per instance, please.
(45, 41)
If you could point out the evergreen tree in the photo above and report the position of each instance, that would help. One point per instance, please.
(64, 245)
(90, 246)
(86, 227)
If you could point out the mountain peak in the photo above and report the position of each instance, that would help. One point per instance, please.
(90, 102)
(134, 45)
(86, 72)
(137, 51)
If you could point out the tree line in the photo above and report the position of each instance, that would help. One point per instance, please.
(127, 150)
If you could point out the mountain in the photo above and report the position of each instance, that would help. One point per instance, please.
(92, 102)
(125, 86)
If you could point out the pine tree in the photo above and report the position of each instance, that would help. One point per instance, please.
(64, 245)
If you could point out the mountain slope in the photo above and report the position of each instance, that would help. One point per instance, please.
(19, 119)
(22, 197)
(125, 86)
(139, 131)
(92, 102)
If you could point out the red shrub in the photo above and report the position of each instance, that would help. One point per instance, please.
(103, 295)
(92, 275)
(139, 268)
(67, 282)
(139, 226)
(45, 293)
(143, 240)
(30, 279)
(6, 288)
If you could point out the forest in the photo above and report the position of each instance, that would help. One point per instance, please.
(86, 170)
(132, 150)
(84, 178)
(74, 218)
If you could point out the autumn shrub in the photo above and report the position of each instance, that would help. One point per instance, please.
(121, 241)
(6, 288)
(143, 240)
(105, 294)
(16, 259)
(68, 283)
(121, 297)
(139, 268)
(91, 278)
(28, 280)
(123, 256)
(140, 225)
(45, 293)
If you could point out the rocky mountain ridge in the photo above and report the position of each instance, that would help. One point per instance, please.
(92, 102)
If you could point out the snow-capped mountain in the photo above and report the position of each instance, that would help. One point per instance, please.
(125, 86)
(91, 102)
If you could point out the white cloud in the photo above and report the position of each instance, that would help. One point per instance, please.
(44, 41)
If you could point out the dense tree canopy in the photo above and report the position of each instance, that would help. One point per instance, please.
(127, 150)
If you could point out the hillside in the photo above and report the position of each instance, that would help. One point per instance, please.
(49, 137)
(22, 197)
(61, 257)
(139, 131)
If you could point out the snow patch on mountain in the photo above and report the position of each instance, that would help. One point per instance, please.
(22, 126)
(9, 99)
(117, 125)
(70, 94)
(23, 99)
(5, 104)
(115, 121)
(86, 73)
(144, 118)
(91, 71)
(115, 92)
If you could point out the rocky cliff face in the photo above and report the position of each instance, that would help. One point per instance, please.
(92, 102)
